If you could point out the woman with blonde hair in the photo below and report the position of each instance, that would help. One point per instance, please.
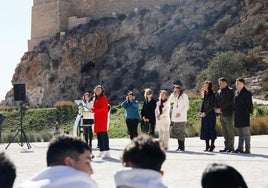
(162, 113)
(148, 113)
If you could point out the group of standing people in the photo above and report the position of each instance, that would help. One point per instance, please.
(155, 115)
(171, 111)
(231, 106)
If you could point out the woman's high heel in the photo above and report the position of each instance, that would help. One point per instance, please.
(207, 148)
(211, 148)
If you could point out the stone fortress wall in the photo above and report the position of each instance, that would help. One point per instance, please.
(52, 16)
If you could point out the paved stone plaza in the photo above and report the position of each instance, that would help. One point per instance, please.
(180, 169)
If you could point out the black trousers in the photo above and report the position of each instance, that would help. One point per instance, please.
(103, 141)
(88, 135)
(132, 127)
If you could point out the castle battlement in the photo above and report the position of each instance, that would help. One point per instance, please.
(52, 16)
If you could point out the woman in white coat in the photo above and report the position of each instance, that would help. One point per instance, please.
(162, 115)
(179, 115)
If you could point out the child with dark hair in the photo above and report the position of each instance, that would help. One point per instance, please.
(7, 172)
(143, 159)
(68, 165)
(222, 176)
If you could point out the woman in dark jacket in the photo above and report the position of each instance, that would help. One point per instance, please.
(148, 113)
(207, 113)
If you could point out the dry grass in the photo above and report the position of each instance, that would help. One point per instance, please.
(259, 125)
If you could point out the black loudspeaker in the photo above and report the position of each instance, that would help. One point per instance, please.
(19, 92)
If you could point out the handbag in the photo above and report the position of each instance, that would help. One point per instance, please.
(146, 127)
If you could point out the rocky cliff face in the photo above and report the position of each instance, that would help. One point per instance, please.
(148, 48)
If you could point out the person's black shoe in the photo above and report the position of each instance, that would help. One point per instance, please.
(223, 150)
(247, 152)
(238, 151)
(211, 148)
(207, 148)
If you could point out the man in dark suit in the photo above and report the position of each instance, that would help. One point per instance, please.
(224, 107)
(243, 107)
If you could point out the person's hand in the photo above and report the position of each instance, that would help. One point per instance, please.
(178, 115)
(202, 115)
(218, 110)
(158, 117)
(145, 119)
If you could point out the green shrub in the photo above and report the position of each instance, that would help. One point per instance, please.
(193, 112)
(66, 111)
(45, 136)
(31, 137)
(223, 64)
(118, 128)
(260, 110)
(191, 130)
(7, 137)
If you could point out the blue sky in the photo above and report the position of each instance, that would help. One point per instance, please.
(15, 16)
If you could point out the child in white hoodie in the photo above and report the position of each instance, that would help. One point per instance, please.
(143, 159)
(68, 166)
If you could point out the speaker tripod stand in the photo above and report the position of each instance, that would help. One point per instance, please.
(21, 132)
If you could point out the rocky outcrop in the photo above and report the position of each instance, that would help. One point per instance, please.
(148, 48)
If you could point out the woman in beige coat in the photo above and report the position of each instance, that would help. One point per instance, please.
(163, 118)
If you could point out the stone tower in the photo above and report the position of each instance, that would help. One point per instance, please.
(52, 16)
